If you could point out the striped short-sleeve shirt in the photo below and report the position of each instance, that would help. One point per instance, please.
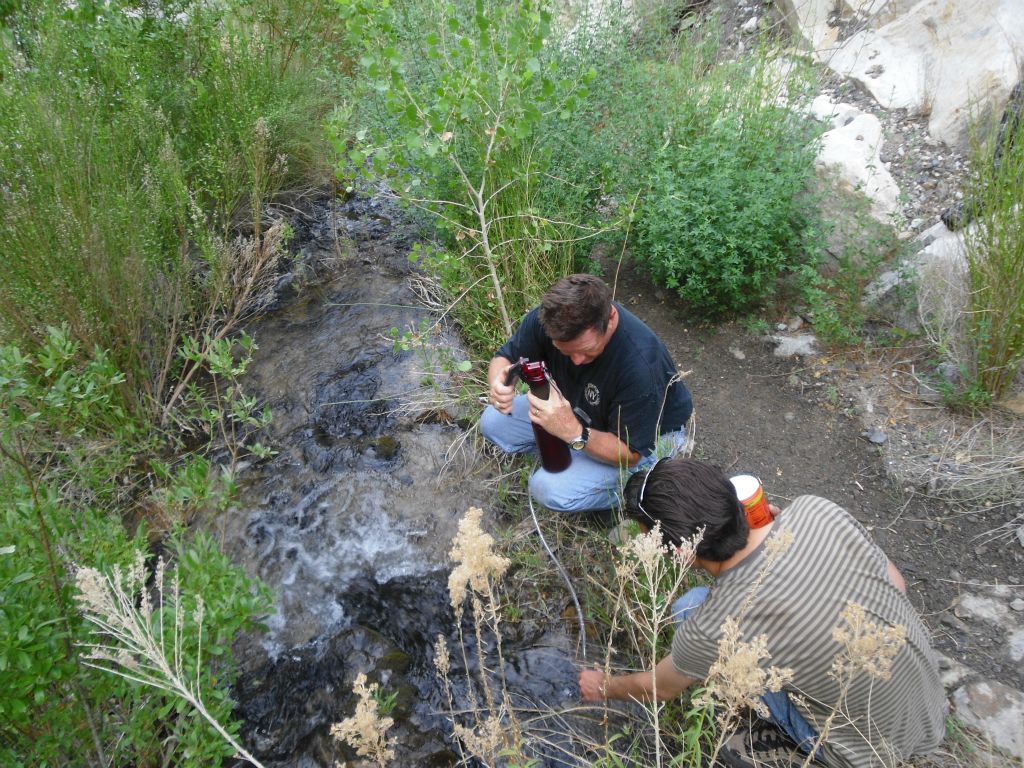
(830, 563)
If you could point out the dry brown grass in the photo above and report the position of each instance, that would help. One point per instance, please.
(366, 730)
(974, 463)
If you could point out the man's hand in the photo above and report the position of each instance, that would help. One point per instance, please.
(554, 415)
(592, 685)
(500, 394)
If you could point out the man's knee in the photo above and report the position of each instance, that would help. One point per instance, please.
(562, 492)
(548, 492)
(512, 433)
(491, 424)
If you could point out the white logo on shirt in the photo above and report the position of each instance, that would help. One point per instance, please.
(592, 394)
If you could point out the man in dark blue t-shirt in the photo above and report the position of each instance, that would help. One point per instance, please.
(617, 401)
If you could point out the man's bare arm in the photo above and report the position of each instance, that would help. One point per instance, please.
(664, 682)
(896, 577)
(556, 416)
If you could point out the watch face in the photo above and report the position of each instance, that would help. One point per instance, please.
(579, 445)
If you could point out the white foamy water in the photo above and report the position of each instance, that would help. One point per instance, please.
(356, 491)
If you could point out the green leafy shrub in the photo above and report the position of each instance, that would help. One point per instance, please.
(68, 447)
(49, 699)
(964, 394)
(470, 99)
(723, 218)
(168, 635)
(836, 294)
(55, 459)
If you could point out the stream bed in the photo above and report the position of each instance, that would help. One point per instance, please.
(351, 521)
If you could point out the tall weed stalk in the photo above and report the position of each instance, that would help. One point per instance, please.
(493, 730)
(468, 100)
(995, 260)
(648, 576)
(134, 148)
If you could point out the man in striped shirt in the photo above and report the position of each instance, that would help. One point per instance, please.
(863, 686)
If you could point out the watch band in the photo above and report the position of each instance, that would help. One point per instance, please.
(580, 442)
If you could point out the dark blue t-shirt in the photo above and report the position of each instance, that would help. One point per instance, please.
(623, 389)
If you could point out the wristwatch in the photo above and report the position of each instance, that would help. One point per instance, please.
(580, 442)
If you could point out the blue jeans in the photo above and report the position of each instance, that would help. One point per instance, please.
(783, 713)
(587, 484)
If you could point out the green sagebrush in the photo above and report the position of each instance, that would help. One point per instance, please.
(721, 160)
(722, 219)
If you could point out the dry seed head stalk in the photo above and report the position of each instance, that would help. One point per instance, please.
(93, 595)
(736, 679)
(776, 546)
(687, 550)
(647, 548)
(486, 741)
(867, 647)
(131, 641)
(366, 730)
(473, 550)
(262, 130)
(441, 658)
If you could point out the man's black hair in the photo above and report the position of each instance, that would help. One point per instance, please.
(687, 495)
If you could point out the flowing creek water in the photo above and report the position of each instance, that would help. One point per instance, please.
(351, 521)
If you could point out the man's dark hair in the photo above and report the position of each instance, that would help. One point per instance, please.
(686, 496)
(574, 304)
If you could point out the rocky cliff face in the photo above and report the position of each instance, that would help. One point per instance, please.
(946, 60)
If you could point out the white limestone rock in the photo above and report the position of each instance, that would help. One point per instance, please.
(798, 345)
(850, 154)
(948, 59)
(809, 19)
(937, 271)
(996, 710)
